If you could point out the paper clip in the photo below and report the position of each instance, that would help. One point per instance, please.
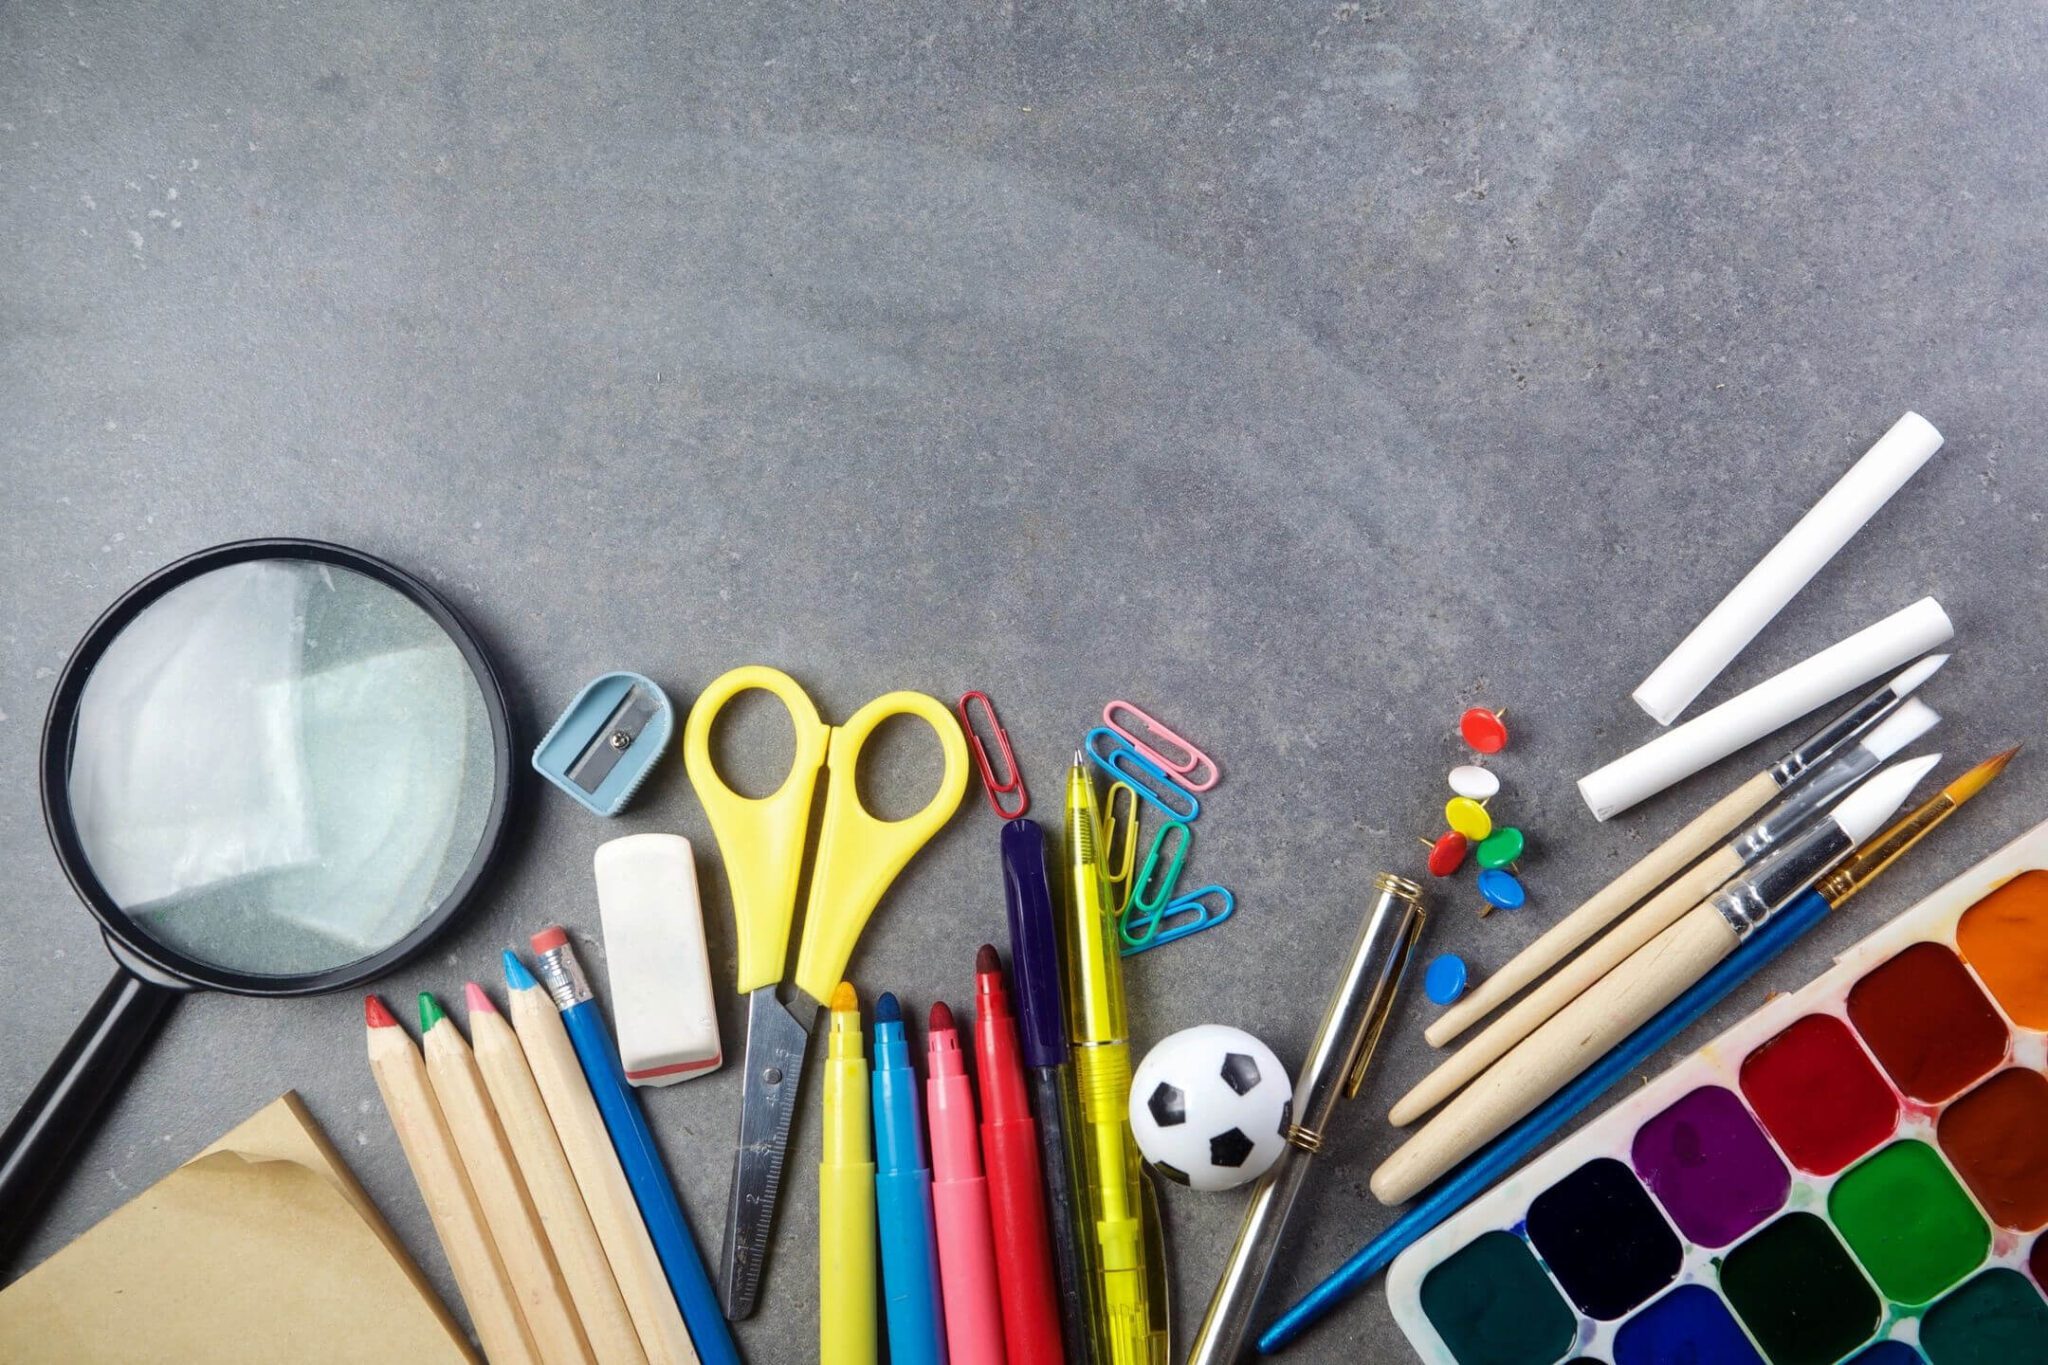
(993, 789)
(1151, 894)
(1151, 738)
(1119, 844)
(1125, 764)
(1175, 922)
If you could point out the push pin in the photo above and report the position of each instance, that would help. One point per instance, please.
(1500, 890)
(1443, 981)
(1485, 730)
(1502, 848)
(1471, 780)
(1447, 854)
(1468, 817)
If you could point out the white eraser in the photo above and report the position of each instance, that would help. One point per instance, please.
(662, 1005)
(1791, 563)
(1777, 701)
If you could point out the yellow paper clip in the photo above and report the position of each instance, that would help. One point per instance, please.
(1119, 844)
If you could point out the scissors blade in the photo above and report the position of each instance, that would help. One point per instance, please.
(776, 1042)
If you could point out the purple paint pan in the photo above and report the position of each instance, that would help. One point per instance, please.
(1711, 1167)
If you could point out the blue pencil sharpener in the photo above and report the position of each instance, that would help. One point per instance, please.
(606, 743)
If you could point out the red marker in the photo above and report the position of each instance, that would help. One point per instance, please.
(1016, 1195)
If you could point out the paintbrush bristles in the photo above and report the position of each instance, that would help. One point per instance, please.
(1979, 777)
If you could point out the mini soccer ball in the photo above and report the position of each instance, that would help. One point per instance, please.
(1210, 1107)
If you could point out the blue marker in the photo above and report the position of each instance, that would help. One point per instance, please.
(652, 1190)
(903, 1201)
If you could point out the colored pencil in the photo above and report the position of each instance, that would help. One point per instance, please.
(653, 1191)
(452, 1205)
(494, 1175)
(595, 1164)
(592, 1289)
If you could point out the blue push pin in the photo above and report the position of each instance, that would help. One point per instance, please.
(1500, 888)
(1443, 981)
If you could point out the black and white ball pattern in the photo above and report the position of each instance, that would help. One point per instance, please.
(1210, 1107)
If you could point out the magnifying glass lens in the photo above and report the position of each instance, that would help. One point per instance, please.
(280, 767)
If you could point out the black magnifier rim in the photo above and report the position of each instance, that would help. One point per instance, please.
(60, 722)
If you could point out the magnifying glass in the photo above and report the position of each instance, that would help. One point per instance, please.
(274, 768)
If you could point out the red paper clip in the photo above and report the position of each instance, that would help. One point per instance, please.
(1151, 738)
(995, 790)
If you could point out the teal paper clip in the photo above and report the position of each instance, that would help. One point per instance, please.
(1151, 895)
(1190, 914)
(1143, 776)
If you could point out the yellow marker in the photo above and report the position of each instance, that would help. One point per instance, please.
(846, 1196)
(1108, 1159)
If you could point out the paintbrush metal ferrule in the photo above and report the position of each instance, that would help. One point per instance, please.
(1860, 868)
(1747, 902)
(1824, 743)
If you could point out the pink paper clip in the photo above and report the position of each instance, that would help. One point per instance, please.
(1013, 784)
(1151, 738)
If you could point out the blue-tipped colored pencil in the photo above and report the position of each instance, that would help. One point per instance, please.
(680, 1258)
(1492, 1162)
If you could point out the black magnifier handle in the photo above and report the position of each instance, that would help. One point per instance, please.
(67, 1102)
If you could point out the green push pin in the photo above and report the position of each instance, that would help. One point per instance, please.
(1501, 848)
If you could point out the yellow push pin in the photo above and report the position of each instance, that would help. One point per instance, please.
(1468, 818)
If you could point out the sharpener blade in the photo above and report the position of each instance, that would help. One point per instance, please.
(623, 726)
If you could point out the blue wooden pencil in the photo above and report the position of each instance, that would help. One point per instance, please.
(652, 1190)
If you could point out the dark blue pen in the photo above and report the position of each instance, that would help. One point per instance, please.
(681, 1261)
(1042, 1034)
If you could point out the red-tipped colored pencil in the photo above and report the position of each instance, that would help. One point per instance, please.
(1016, 1193)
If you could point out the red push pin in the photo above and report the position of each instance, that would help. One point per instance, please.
(1447, 854)
(1484, 730)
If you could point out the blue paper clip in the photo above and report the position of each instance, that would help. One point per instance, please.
(1189, 914)
(1151, 895)
(1143, 776)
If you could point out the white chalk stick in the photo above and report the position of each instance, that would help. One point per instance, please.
(1778, 701)
(1790, 565)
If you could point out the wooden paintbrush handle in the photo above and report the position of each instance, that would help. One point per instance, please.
(1567, 983)
(1572, 1040)
(1710, 827)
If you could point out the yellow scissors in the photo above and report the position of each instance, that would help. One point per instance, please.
(762, 841)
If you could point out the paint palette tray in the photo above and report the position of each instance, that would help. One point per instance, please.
(1857, 1172)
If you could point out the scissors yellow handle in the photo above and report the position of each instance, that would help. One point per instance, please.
(858, 855)
(762, 839)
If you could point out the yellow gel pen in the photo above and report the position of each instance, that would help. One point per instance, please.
(1108, 1161)
(846, 1196)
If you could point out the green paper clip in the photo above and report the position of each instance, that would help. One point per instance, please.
(1151, 894)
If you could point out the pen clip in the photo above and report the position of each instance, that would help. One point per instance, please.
(1385, 991)
(994, 789)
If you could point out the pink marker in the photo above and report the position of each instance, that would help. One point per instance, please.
(967, 1252)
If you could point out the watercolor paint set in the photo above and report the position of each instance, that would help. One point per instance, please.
(1857, 1172)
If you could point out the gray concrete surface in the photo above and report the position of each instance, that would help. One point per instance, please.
(1308, 372)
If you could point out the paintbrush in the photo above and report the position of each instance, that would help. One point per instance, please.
(1786, 819)
(1625, 999)
(1675, 854)
(1499, 1157)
